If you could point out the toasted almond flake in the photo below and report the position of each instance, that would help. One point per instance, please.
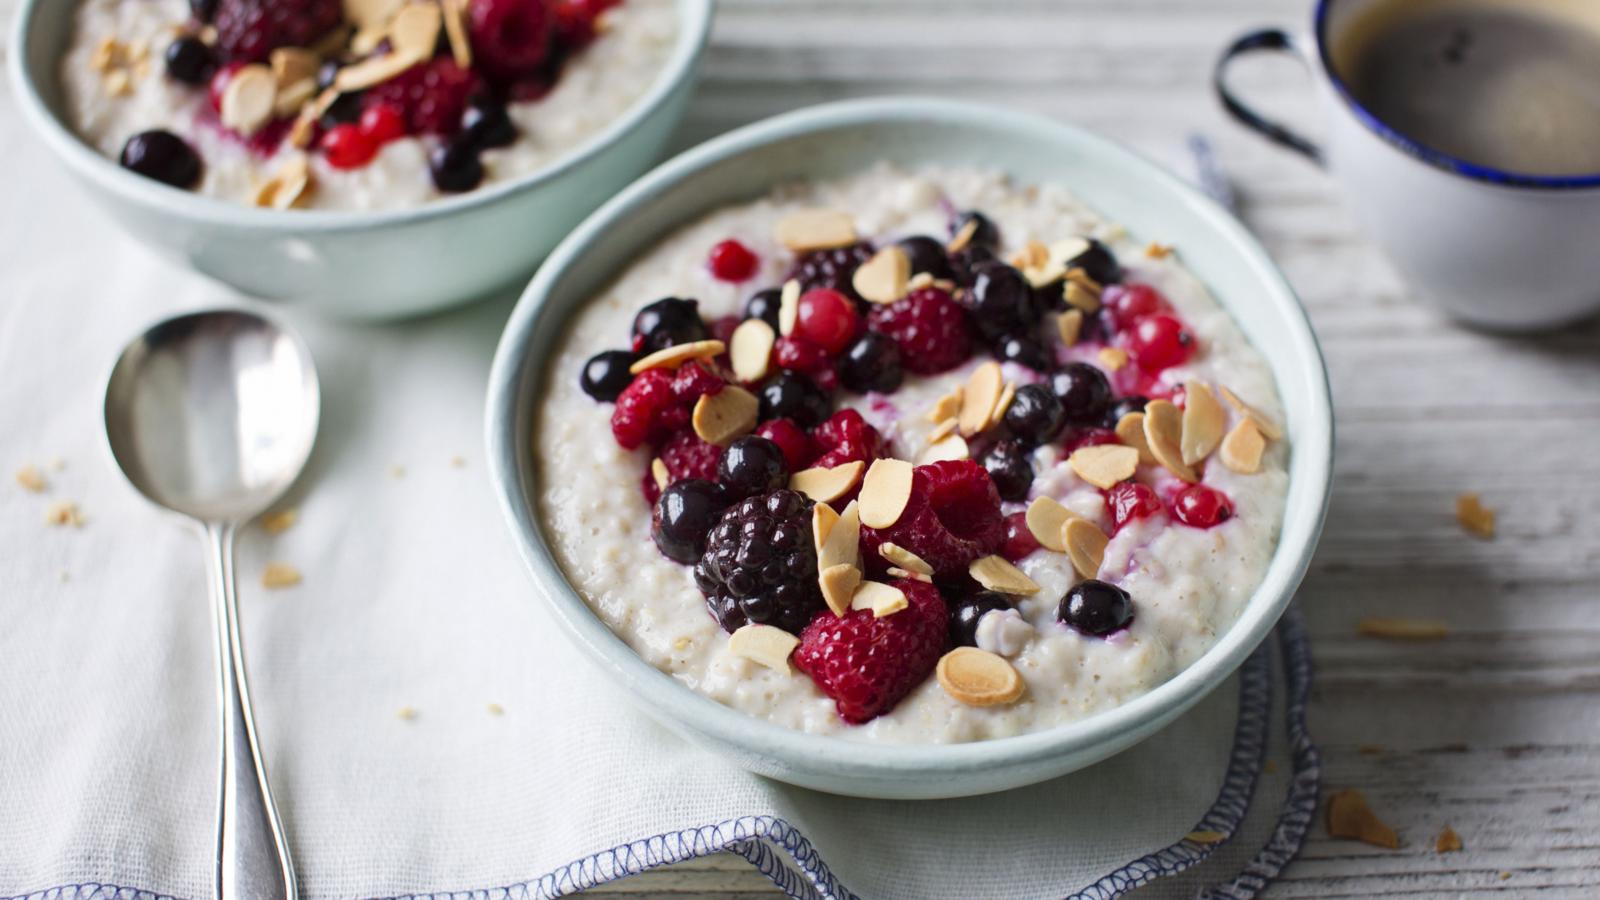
(1047, 519)
(883, 278)
(291, 98)
(1349, 816)
(1086, 546)
(1069, 325)
(1205, 836)
(1130, 430)
(997, 574)
(963, 237)
(1157, 251)
(1476, 518)
(1104, 465)
(32, 480)
(291, 65)
(63, 513)
(750, 349)
(372, 71)
(926, 280)
(1113, 358)
(658, 471)
(678, 354)
(279, 575)
(366, 39)
(764, 644)
(1163, 434)
(1400, 628)
(816, 229)
(979, 678)
(1203, 422)
(729, 413)
(1241, 450)
(1447, 841)
(946, 407)
(1268, 428)
(305, 125)
(455, 29)
(1035, 254)
(882, 599)
(371, 13)
(904, 558)
(788, 307)
(823, 518)
(1081, 298)
(978, 399)
(287, 185)
(943, 430)
(839, 585)
(842, 546)
(414, 32)
(1007, 394)
(248, 100)
(885, 492)
(826, 485)
(118, 83)
(280, 521)
(952, 447)
(897, 572)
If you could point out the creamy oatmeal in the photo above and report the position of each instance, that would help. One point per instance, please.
(1172, 563)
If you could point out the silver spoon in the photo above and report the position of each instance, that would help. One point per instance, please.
(212, 415)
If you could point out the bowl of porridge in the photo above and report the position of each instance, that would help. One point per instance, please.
(907, 448)
(367, 158)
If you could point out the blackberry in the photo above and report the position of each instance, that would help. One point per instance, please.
(831, 268)
(759, 565)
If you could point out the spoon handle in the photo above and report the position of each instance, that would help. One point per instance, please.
(252, 856)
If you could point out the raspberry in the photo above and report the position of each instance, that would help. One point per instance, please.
(432, 96)
(952, 518)
(797, 446)
(510, 38)
(687, 456)
(249, 30)
(760, 566)
(831, 268)
(846, 437)
(647, 410)
(692, 381)
(1020, 541)
(929, 326)
(867, 664)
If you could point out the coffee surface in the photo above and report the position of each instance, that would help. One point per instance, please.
(1510, 84)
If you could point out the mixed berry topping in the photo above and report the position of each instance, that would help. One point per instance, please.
(684, 517)
(929, 327)
(1096, 608)
(951, 519)
(758, 565)
(867, 664)
(249, 30)
(163, 156)
(752, 465)
(832, 268)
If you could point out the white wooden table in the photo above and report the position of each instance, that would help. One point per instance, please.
(1494, 730)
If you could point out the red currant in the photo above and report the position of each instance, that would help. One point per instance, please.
(1125, 305)
(1160, 342)
(1200, 506)
(827, 318)
(1131, 500)
(383, 123)
(732, 261)
(1079, 438)
(1019, 539)
(348, 147)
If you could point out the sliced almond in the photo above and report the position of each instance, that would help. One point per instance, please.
(1447, 841)
(1080, 277)
(1349, 816)
(1476, 518)
(842, 546)
(904, 558)
(63, 513)
(1086, 546)
(367, 39)
(280, 521)
(1105, 465)
(764, 644)
(839, 585)
(455, 29)
(788, 307)
(1402, 629)
(1203, 422)
(658, 471)
(279, 575)
(305, 125)
(882, 599)
(1268, 428)
(963, 237)
(978, 399)
(729, 413)
(1007, 394)
(1113, 358)
(952, 447)
(897, 572)
(1241, 450)
(826, 485)
(996, 574)
(1069, 325)
(370, 13)
(678, 354)
(1080, 297)
(372, 71)
(750, 350)
(1130, 430)
(288, 184)
(1163, 432)
(885, 492)
(293, 96)
(32, 480)
(925, 280)
(979, 678)
(249, 98)
(1047, 520)
(1157, 251)
(883, 278)
(291, 65)
(823, 518)
(414, 31)
(943, 430)
(816, 229)
(946, 407)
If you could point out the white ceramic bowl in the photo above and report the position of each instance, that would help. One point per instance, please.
(361, 264)
(836, 139)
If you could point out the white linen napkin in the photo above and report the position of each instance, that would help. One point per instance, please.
(428, 729)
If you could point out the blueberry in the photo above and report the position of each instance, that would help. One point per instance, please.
(764, 305)
(163, 156)
(1098, 262)
(606, 374)
(1123, 406)
(871, 363)
(966, 612)
(189, 60)
(1002, 299)
(751, 465)
(486, 123)
(668, 322)
(1024, 349)
(683, 518)
(966, 263)
(790, 395)
(1083, 391)
(1096, 608)
(1010, 469)
(455, 167)
(986, 235)
(926, 255)
(1035, 415)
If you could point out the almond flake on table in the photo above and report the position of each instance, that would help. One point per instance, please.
(279, 575)
(280, 521)
(32, 480)
(64, 513)
(1349, 816)
(1477, 519)
(1447, 841)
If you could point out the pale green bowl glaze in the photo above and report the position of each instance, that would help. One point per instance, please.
(835, 139)
(368, 265)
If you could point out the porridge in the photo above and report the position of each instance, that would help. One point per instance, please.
(354, 104)
(912, 457)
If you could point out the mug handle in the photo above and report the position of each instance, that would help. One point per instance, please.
(1275, 39)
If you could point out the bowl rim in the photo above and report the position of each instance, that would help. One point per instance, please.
(840, 755)
(694, 17)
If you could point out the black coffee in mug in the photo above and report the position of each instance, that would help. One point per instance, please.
(1508, 84)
